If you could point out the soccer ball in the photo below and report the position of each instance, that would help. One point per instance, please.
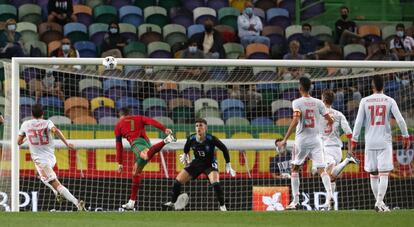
(109, 63)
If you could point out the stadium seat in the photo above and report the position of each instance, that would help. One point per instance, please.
(28, 31)
(25, 101)
(169, 4)
(208, 112)
(174, 33)
(227, 33)
(282, 113)
(104, 14)
(131, 15)
(156, 15)
(322, 32)
(115, 89)
(108, 120)
(148, 33)
(354, 52)
(236, 121)
(228, 16)
(135, 50)
(86, 49)
(312, 8)
(218, 73)
(257, 51)
(179, 102)
(202, 13)
(371, 33)
(181, 16)
(156, 111)
(159, 50)
(83, 13)
(49, 111)
(50, 31)
(191, 92)
(84, 120)
(104, 111)
(30, 13)
(128, 31)
(191, 5)
(285, 121)
(278, 104)
(217, 4)
(153, 102)
(90, 88)
(145, 3)
(217, 93)
(7, 12)
(293, 32)
(266, 4)
(238, 4)
(233, 50)
(232, 108)
(76, 106)
(194, 29)
(205, 102)
(19, 3)
(290, 94)
(277, 38)
(388, 33)
(36, 44)
(278, 17)
(261, 14)
(97, 32)
(93, 3)
(102, 102)
(262, 121)
(182, 115)
(53, 46)
(127, 102)
(164, 120)
(60, 120)
(214, 121)
(120, 3)
(289, 5)
(76, 32)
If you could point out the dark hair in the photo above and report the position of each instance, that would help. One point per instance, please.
(37, 110)
(307, 25)
(201, 120)
(305, 83)
(344, 7)
(400, 25)
(378, 82)
(124, 111)
(328, 96)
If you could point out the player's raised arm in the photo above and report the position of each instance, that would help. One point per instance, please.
(220, 145)
(347, 130)
(62, 137)
(155, 123)
(358, 124)
(401, 123)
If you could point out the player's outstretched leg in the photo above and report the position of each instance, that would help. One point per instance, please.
(176, 190)
(341, 166)
(149, 153)
(80, 204)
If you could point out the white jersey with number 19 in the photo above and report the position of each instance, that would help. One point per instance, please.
(374, 114)
(39, 138)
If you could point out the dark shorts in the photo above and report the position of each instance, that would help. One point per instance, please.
(198, 167)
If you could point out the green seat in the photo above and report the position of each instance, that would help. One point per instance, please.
(105, 14)
(36, 43)
(52, 111)
(144, 28)
(7, 12)
(150, 102)
(183, 115)
(156, 15)
(268, 96)
(168, 4)
(135, 49)
(97, 27)
(145, 3)
(208, 112)
(237, 121)
(285, 86)
(127, 28)
(228, 16)
(233, 50)
(28, 31)
(174, 33)
(164, 120)
(157, 46)
(30, 13)
(94, 3)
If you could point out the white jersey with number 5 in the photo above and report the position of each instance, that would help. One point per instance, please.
(374, 114)
(331, 135)
(37, 132)
(308, 130)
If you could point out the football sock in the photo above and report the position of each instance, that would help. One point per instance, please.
(382, 187)
(294, 181)
(66, 193)
(51, 187)
(333, 186)
(176, 191)
(326, 180)
(374, 184)
(155, 149)
(341, 166)
(219, 192)
(134, 187)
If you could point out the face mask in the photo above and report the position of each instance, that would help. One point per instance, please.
(149, 70)
(344, 16)
(192, 49)
(11, 27)
(66, 48)
(48, 80)
(208, 28)
(405, 82)
(306, 34)
(113, 30)
(249, 11)
(400, 34)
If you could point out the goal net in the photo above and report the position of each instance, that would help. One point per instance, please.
(247, 104)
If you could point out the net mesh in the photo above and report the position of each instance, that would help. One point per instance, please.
(245, 106)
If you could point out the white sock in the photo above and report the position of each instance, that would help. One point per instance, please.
(333, 187)
(382, 187)
(374, 185)
(338, 168)
(51, 187)
(326, 180)
(66, 193)
(294, 181)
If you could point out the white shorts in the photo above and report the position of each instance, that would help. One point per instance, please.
(315, 153)
(333, 155)
(45, 170)
(378, 160)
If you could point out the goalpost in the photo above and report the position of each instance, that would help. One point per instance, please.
(247, 104)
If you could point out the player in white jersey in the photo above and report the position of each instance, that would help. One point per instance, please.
(42, 150)
(331, 139)
(374, 114)
(307, 114)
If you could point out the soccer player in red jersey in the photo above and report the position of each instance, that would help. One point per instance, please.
(133, 129)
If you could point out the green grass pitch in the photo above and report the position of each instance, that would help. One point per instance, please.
(399, 218)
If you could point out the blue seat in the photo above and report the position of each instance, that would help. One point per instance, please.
(104, 111)
(131, 15)
(27, 101)
(315, 8)
(51, 101)
(194, 29)
(191, 5)
(231, 103)
(233, 112)
(74, 27)
(110, 83)
(218, 73)
(181, 16)
(120, 3)
(217, 93)
(191, 93)
(86, 49)
(25, 111)
(262, 121)
(156, 111)
(217, 4)
(127, 101)
(92, 92)
(266, 87)
(278, 16)
(282, 113)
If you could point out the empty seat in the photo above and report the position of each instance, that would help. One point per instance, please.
(102, 102)
(120, 3)
(191, 5)
(181, 16)
(322, 32)
(105, 14)
(128, 31)
(194, 29)
(179, 102)
(36, 44)
(278, 104)
(135, 49)
(203, 103)
(148, 33)
(129, 102)
(108, 120)
(293, 32)
(370, 33)
(60, 120)
(145, 3)
(164, 120)
(83, 13)
(174, 33)
(233, 50)
(159, 50)
(86, 49)
(30, 13)
(28, 31)
(232, 108)
(51, 101)
(50, 31)
(76, 32)
(76, 106)
(183, 115)
(153, 102)
(214, 121)
(354, 52)
(236, 121)
(257, 51)
(156, 15)
(278, 17)
(131, 15)
(217, 4)
(84, 120)
(262, 121)
(203, 13)
(97, 32)
(228, 16)
(7, 12)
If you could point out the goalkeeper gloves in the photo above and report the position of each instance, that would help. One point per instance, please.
(185, 159)
(230, 170)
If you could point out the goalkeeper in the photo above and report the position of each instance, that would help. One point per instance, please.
(203, 145)
(133, 129)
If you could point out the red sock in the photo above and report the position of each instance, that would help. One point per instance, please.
(135, 187)
(155, 149)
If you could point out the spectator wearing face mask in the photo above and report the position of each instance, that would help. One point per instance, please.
(210, 41)
(66, 50)
(192, 51)
(382, 53)
(113, 43)
(402, 45)
(61, 12)
(10, 45)
(250, 26)
(346, 29)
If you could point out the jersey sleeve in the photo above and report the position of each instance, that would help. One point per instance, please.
(150, 121)
(118, 142)
(296, 108)
(220, 145)
(359, 121)
(50, 125)
(321, 108)
(345, 126)
(399, 118)
(22, 131)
